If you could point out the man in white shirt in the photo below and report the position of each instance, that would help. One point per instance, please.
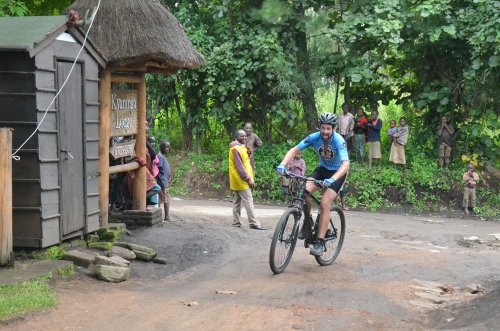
(346, 125)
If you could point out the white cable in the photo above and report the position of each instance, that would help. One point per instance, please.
(16, 157)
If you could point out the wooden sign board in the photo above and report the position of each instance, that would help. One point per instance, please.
(123, 149)
(123, 112)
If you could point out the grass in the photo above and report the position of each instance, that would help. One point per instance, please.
(426, 186)
(26, 297)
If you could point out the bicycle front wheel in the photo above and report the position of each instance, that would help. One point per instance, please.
(284, 240)
(334, 237)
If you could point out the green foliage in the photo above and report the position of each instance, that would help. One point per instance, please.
(13, 8)
(66, 272)
(26, 297)
(33, 7)
(55, 253)
(100, 245)
(489, 204)
(105, 234)
(425, 187)
(191, 168)
(428, 174)
(51, 253)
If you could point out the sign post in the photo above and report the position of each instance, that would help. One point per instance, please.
(6, 256)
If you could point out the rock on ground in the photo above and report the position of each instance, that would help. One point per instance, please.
(125, 253)
(115, 261)
(110, 273)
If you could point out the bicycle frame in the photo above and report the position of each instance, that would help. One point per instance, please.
(299, 202)
(287, 230)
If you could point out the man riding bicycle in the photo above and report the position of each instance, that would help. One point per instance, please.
(333, 166)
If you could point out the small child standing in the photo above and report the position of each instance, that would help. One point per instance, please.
(296, 166)
(471, 178)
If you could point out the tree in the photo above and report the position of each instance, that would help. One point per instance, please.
(13, 8)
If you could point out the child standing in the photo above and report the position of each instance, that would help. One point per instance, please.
(164, 178)
(471, 178)
(296, 166)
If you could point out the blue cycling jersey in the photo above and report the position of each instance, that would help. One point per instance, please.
(331, 158)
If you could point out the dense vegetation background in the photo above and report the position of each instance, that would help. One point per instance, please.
(279, 63)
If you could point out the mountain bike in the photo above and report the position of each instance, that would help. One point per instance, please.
(286, 232)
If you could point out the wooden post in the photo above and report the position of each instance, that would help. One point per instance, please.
(104, 136)
(139, 194)
(5, 196)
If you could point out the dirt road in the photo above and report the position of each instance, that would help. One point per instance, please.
(394, 273)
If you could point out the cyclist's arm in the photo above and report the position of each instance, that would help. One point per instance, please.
(344, 168)
(344, 159)
(289, 155)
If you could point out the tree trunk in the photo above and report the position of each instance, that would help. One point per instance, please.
(347, 92)
(337, 87)
(187, 140)
(338, 75)
(306, 87)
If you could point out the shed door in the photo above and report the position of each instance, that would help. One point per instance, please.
(71, 148)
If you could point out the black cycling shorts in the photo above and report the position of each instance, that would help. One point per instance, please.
(321, 173)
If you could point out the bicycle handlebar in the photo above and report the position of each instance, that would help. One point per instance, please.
(289, 174)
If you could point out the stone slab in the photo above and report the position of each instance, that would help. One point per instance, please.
(80, 258)
(139, 217)
(114, 261)
(121, 251)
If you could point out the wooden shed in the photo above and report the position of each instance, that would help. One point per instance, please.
(135, 37)
(55, 181)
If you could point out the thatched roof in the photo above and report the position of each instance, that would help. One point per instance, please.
(139, 33)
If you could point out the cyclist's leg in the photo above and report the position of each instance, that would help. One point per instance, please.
(310, 188)
(325, 204)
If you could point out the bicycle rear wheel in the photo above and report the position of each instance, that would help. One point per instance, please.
(334, 237)
(284, 240)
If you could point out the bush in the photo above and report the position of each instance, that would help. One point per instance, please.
(426, 186)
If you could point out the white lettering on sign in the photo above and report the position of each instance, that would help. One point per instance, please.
(123, 149)
(119, 104)
(124, 121)
(123, 112)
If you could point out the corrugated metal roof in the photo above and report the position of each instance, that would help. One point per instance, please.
(25, 33)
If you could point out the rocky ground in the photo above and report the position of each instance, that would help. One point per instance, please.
(394, 272)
